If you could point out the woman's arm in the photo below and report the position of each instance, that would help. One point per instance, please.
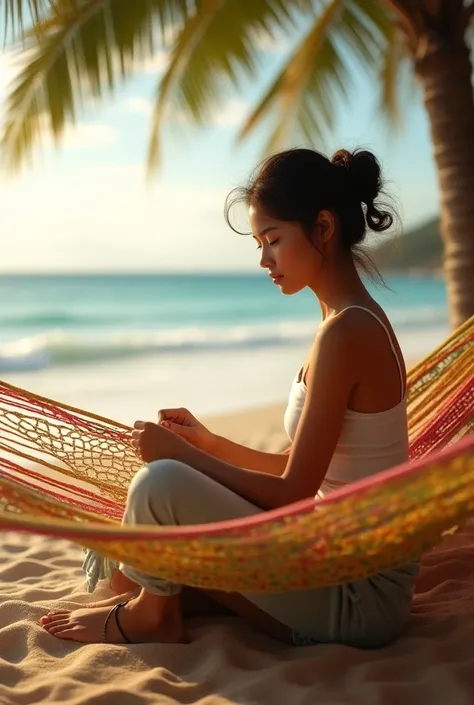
(184, 424)
(331, 378)
(244, 457)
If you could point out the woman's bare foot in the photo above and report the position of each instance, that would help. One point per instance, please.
(138, 621)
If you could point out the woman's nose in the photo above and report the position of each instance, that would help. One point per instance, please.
(266, 260)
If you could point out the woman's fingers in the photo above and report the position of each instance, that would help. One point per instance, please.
(180, 416)
(183, 431)
(136, 439)
(139, 428)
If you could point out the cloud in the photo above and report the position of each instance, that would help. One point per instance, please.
(82, 136)
(155, 64)
(233, 113)
(89, 136)
(139, 105)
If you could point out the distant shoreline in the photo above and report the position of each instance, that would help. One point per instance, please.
(436, 272)
(426, 272)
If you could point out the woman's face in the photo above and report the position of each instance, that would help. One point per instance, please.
(293, 262)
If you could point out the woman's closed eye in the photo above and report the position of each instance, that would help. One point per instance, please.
(273, 242)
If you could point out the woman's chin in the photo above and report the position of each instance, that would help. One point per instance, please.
(287, 289)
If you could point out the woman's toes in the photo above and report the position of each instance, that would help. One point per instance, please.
(57, 626)
(63, 631)
(55, 619)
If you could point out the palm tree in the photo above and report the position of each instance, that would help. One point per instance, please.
(76, 49)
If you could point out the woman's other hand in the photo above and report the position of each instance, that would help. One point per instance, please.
(153, 442)
(184, 424)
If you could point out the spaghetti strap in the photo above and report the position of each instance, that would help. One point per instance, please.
(374, 315)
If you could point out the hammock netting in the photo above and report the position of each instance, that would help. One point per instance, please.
(64, 472)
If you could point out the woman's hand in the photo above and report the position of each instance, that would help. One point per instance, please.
(184, 424)
(153, 442)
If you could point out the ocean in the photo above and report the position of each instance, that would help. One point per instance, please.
(126, 345)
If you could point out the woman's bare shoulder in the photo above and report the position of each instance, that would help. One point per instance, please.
(359, 334)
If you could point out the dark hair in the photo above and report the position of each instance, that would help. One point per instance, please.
(295, 185)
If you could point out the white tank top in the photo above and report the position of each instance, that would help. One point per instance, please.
(368, 442)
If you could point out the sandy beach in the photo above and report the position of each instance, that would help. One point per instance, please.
(227, 662)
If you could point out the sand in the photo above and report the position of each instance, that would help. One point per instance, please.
(227, 662)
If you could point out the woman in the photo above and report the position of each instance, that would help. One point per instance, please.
(346, 418)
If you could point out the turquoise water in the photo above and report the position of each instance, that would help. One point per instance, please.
(51, 321)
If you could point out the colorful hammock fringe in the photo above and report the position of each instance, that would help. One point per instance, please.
(87, 463)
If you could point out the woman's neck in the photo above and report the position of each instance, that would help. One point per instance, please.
(341, 287)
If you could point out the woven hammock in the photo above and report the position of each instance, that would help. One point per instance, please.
(76, 467)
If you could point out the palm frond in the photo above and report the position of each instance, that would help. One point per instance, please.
(393, 63)
(82, 48)
(20, 14)
(188, 38)
(215, 49)
(319, 74)
(288, 92)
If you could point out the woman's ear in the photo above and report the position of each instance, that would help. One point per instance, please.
(325, 225)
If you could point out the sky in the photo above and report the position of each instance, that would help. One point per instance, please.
(88, 206)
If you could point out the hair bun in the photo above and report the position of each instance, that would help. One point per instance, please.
(364, 177)
(363, 171)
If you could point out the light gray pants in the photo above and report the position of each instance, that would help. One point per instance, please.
(368, 613)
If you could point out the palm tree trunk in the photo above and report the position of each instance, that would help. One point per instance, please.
(445, 74)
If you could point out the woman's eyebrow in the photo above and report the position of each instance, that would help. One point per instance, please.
(266, 230)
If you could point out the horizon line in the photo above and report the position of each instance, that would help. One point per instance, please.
(128, 273)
